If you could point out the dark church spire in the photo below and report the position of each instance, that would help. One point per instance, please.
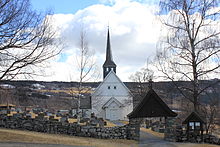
(109, 63)
(108, 49)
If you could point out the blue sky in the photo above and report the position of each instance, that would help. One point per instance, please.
(72, 6)
(62, 6)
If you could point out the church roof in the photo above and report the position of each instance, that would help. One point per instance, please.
(151, 106)
(106, 78)
(109, 59)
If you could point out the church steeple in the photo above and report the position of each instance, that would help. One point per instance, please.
(109, 63)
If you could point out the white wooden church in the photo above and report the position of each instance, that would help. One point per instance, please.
(111, 100)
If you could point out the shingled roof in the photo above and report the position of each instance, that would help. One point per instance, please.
(151, 106)
(193, 117)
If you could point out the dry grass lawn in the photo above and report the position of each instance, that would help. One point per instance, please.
(124, 122)
(110, 124)
(194, 145)
(7, 135)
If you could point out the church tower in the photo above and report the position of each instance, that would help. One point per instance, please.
(111, 100)
(109, 63)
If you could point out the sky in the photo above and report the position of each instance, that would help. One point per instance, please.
(62, 6)
(134, 32)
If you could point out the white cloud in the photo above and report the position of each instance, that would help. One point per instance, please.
(112, 2)
(133, 28)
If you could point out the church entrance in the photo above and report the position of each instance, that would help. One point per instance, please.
(114, 114)
(151, 106)
(113, 109)
(152, 130)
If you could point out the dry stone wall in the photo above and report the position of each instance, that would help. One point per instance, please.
(133, 129)
(176, 132)
(40, 124)
(104, 132)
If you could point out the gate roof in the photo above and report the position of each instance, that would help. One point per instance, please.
(151, 106)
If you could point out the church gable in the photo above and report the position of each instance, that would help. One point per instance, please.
(112, 102)
(151, 106)
(112, 85)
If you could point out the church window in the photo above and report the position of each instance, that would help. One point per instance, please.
(109, 87)
(114, 87)
(112, 69)
(197, 124)
(106, 69)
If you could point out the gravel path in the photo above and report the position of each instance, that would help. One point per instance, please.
(33, 145)
(148, 140)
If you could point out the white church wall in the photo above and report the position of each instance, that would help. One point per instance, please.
(113, 112)
(111, 87)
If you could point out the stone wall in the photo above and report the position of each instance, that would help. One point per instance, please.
(104, 132)
(176, 132)
(133, 129)
(56, 127)
(170, 129)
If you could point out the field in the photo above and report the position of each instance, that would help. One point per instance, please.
(70, 91)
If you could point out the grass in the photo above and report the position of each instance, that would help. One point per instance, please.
(110, 124)
(194, 145)
(124, 122)
(7, 135)
(72, 120)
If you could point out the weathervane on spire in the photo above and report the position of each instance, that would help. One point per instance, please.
(108, 24)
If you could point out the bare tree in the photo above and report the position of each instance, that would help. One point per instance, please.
(210, 109)
(86, 68)
(26, 39)
(141, 78)
(191, 49)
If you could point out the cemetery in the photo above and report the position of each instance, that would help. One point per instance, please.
(175, 43)
(190, 130)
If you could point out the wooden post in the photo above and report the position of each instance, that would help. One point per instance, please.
(201, 128)
(187, 131)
